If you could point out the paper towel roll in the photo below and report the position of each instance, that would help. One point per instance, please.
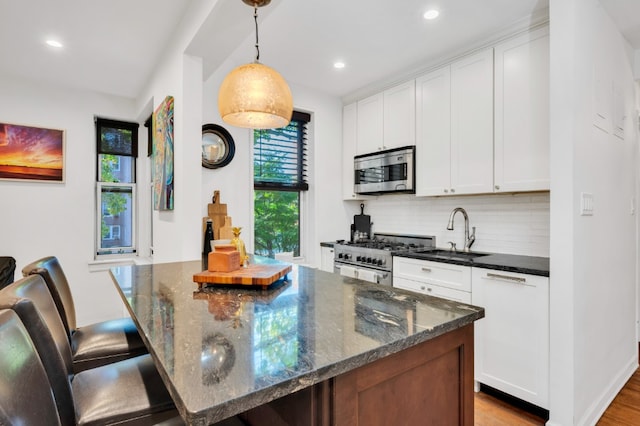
(367, 275)
(348, 271)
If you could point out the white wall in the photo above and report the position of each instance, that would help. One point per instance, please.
(177, 232)
(515, 224)
(44, 219)
(327, 219)
(593, 258)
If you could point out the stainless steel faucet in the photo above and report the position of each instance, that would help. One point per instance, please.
(468, 239)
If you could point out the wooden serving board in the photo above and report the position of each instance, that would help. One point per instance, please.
(252, 275)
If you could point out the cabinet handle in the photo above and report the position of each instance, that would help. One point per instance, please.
(507, 277)
(446, 191)
(331, 251)
(426, 269)
(453, 190)
(497, 187)
(422, 287)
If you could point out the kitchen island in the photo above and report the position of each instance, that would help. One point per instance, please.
(316, 348)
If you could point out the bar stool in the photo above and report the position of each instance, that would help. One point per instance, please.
(25, 394)
(95, 344)
(7, 270)
(125, 391)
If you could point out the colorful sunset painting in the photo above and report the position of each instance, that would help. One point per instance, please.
(31, 153)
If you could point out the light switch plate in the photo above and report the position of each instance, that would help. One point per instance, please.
(586, 204)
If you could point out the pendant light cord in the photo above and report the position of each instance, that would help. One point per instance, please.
(255, 18)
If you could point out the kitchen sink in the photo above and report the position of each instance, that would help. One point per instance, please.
(448, 254)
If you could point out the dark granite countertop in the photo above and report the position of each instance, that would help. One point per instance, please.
(224, 350)
(327, 244)
(499, 261)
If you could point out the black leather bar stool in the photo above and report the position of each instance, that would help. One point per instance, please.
(25, 394)
(125, 391)
(7, 270)
(95, 344)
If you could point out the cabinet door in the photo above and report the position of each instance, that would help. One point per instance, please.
(472, 124)
(370, 124)
(512, 340)
(349, 138)
(522, 113)
(326, 259)
(432, 290)
(456, 277)
(433, 133)
(399, 108)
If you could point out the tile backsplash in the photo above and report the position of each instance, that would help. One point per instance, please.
(505, 223)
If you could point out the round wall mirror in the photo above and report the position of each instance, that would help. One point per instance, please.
(218, 148)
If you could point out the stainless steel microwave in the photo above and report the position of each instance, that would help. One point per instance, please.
(387, 171)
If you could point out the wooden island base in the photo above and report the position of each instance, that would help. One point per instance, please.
(430, 383)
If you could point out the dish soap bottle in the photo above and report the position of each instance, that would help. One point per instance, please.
(239, 244)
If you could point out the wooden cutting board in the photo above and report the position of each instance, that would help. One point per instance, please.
(217, 212)
(226, 231)
(252, 275)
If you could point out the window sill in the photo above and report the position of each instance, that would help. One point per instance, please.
(99, 265)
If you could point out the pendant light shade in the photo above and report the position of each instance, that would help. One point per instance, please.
(255, 96)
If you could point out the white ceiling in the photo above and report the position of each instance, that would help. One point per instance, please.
(112, 46)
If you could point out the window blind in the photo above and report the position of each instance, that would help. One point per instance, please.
(117, 137)
(280, 156)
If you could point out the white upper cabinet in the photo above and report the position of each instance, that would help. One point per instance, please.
(480, 124)
(433, 133)
(386, 120)
(349, 138)
(522, 113)
(370, 124)
(472, 124)
(454, 142)
(400, 115)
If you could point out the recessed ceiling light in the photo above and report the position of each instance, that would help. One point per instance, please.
(54, 43)
(431, 14)
(339, 65)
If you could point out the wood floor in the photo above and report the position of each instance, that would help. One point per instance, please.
(623, 411)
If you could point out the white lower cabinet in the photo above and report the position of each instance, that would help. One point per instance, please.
(512, 340)
(326, 259)
(433, 278)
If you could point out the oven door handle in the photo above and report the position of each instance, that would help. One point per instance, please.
(377, 275)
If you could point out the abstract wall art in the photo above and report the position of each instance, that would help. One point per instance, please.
(31, 153)
(162, 155)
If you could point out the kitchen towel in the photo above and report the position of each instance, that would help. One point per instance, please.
(348, 271)
(367, 275)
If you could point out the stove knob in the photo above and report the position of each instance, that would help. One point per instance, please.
(347, 256)
(340, 256)
(359, 258)
(379, 262)
(368, 260)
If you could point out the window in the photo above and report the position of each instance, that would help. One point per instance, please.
(279, 178)
(114, 233)
(117, 143)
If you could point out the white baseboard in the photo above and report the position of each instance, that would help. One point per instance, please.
(597, 409)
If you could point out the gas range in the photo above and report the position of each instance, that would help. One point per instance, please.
(373, 259)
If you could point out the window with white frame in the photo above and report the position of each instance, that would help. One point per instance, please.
(279, 179)
(117, 149)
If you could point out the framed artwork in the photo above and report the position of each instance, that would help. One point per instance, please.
(31, 153)
(162, 155)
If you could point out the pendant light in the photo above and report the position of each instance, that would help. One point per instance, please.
(254, 95)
